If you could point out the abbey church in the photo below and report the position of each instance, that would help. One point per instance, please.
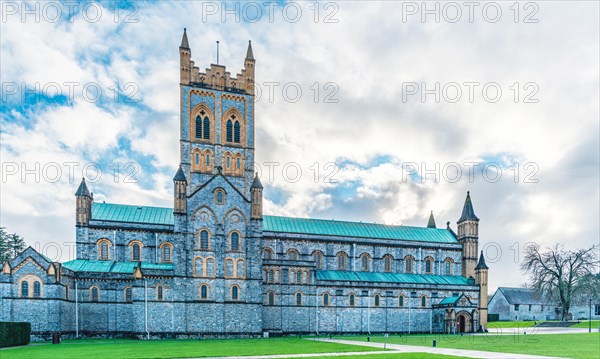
(214, 265)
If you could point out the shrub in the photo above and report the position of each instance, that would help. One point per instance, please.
(14, 333)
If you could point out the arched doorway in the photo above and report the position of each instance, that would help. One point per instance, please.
(463, 323)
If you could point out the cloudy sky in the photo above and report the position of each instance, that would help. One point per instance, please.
(390, 110)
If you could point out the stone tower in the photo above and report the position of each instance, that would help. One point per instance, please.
(83, 204)
(218, 200)
(468, 237)
(481, 278)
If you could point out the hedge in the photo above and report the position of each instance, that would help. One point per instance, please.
(14, 333)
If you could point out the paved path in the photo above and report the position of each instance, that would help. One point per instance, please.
(447, 351)
(285, 356)
(538, 330)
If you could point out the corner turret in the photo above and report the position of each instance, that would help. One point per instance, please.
(468, 236)
(83, 204)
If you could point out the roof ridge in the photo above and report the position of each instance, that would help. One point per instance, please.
(353, 222)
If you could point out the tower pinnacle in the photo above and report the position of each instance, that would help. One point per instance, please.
(184, 40)
(249, 53)
(431, 222)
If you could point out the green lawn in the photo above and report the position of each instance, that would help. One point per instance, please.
(525, 324)
(140, 349)
(585, 324)
(391, 356)
(565, 345)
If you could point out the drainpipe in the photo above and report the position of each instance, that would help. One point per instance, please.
(115, 245)
(317, 311)
(409, 298)
(369, 312)
(354, 257)
(146, 308)
(155, 247)
(76, 311)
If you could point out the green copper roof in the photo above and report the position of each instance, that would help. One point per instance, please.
(379, 277)
(134, 214)
(82, 265)
(449, 300)
(355, 229)
(164, 216)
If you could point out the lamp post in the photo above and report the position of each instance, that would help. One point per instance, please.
(590, 317)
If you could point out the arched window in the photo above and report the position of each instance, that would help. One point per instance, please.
(128, 295)
(24, 289)
(240, 268)
(270, 276)
(159, 293)
(37, 289)
(377, 300)
(198, 127)
(199, 266)
(325, 299)
(235, 241)
(299, 277)
(298, 299)
(408, 263)
(423, 301)
(167, 255)
(292, 254)
(206, 128)
(104, 249)
(204, 240)
(270, 298)
(227, 162)
(197, 158)
(136, 254)
(207, 160)
(428, 265)
(364, 262)
(236, 132)
(388, 263)
(341, 261)
(219, 196)
(235, 292)
(352, 299)
(267, 253)
(203, 291)
(448, 266)
(210, 267)
(318, 258)
(94, 294)
(229, 135)
(238, 164)
(401, 301)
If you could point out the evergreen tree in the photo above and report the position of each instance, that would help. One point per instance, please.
(16, 244)
(4, 248)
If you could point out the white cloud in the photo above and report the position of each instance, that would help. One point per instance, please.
(368, 56)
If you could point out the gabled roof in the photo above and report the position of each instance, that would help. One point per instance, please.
(97, 266)
(449, 300)
(355, 229)
(454, 301)
(164, 216)
(379, 277)
(521, 296)
(132, 214)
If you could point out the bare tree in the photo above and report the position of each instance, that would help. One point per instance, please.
(559, 274)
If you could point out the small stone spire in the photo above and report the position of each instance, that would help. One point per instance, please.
(83, 191)
(431, 222)
(184, 40)
(256, 182)
(481, 264)
(468, 214)
(249, 53)
(179, 176)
